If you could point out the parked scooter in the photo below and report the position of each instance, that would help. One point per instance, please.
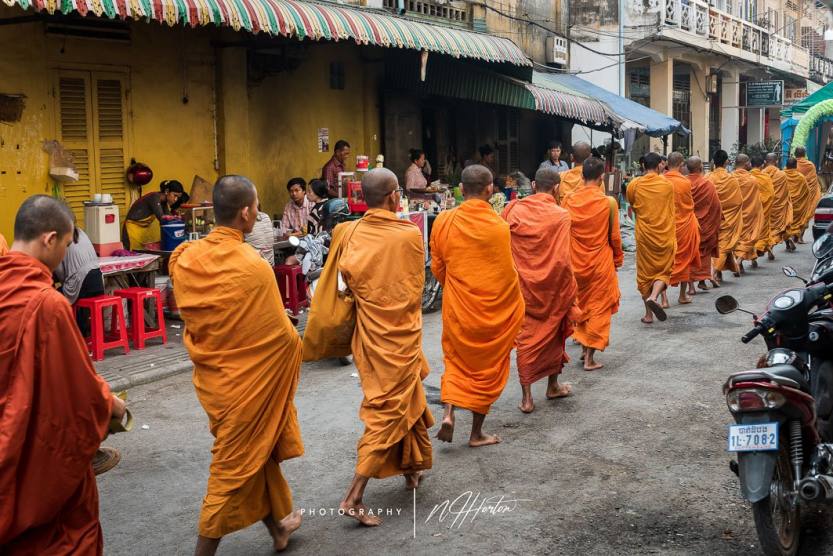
(784, 413)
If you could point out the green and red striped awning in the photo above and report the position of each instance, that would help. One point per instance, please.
(289, 18)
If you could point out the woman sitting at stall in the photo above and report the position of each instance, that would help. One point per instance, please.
(141, 225)
(318, 194)
(416, 178)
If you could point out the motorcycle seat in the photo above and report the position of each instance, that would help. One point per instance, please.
(788, 371)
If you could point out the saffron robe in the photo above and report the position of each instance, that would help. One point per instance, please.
(541, 249)
(483, 308)
(809, 170)
(247, 357)
(54, 412)
(596, 252)
(571, 180)
(652, 198)
(707, 211)
(753, 216)
(731, 207)
(686, 227)
(766, 193)
(802, 200)
(782, 209)
(383, 263)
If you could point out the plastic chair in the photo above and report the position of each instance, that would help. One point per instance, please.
(293, 287)
(98, 341)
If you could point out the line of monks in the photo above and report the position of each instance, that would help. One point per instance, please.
(542, 271)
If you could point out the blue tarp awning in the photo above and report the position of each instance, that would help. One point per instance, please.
(653, 123)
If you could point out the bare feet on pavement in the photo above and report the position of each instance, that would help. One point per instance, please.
(360, 513)
(483, 440)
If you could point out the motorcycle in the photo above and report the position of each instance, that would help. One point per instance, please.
(783, 412)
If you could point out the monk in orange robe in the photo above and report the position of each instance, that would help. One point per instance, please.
(809, 170)
(766, 193)
(541, 249)
(731, 203)
(4, 247)
(247, 358)
(707, 211)
(382, 261)
(801, 197)
(54, 409)
(483, 308)
(596, 247)
(753, 215)
(572, 179)
(652, 198)
(687, 229)
(782, 208)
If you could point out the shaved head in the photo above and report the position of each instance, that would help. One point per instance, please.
(581, 152)
(772, 159)
(546, 179)
(652, 161)
(675, 160)
(476, 178)
(756, 160)
(800, 152)
(741, 161)
(378, 184)
(231, 195)
(42, 214)
(792, 164)
(694, 165)
(593, 169)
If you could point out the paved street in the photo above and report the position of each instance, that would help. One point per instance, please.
(634, 462)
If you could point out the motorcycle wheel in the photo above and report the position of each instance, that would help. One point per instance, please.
(430, 292)
(777, 519)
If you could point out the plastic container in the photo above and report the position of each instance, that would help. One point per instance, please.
(173, 234)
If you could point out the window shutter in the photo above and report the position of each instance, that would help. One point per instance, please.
(110, 127)
(75, 120)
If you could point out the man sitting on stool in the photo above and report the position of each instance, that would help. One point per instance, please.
(80, 276)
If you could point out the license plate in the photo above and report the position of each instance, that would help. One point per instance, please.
(758, 437)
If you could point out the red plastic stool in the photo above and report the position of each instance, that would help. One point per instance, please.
(136, 298)
(293, 287)
(98, 342)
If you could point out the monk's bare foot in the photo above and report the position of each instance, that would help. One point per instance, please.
(790, 245)
(561, 391)
(593, 365)
(289, 525)
(691, 290)
(665, 304)
(770, 256)
(715, 284)
(446, 432)
(657, 311)
(647, 320)
(684, 300)
(360, 513)
(754, 263)
(412, 480)
(583, 354)
(483, 440)
(703, 285)
(526, 405)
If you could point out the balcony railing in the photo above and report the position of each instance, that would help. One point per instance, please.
(450, 13)
(696, 16)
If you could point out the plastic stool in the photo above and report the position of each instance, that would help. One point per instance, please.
(98, 342)
(136, 298)
(293, 287)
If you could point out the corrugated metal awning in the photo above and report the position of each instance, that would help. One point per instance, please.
(289, 18)
(551, 97)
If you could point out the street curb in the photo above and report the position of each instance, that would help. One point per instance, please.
(151, 375)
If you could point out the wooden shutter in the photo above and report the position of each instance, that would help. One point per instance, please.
(75, 113)
(109, 140)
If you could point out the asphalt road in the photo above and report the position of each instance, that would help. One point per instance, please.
(633, 463)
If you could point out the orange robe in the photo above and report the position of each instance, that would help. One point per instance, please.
(571, 180)
(753, 216)
(383, 263)
(4, 247)
(802, 200)
(687, 229)
(541, 249)
(782, 209)
(596, 252)
(766, 192)
(54, 412)
(483, 308)
(652, 199)
(809, 170)
(731, 206)
(707, 211)
(247, 357)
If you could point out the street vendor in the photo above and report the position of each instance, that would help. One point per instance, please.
(416, 182)
(296, 211)
(80, 276)
(142, 223)
(554, 159)
(317, 194)
(335, 165)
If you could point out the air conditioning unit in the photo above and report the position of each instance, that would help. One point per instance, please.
(556, 50)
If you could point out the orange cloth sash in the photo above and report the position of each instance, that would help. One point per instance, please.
(571, 180)
(766, 192)
(247, 358)
(731, 207)
(596, 249)
(707, 211)
(541, 249)
(652, 199)
(687, 229)
(483, 308)
(54, 412)
(802, 200)
(753, 216)
(383, 263)
(782, 209)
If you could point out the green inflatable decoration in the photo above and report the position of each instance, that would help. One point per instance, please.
(808, 122)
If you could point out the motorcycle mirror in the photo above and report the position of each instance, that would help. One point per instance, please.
(790, 271)
(823, 246)
(726, 304)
